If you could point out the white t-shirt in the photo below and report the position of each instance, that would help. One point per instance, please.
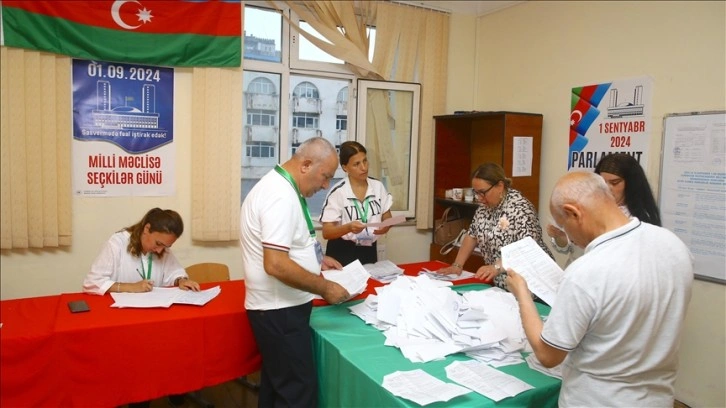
(619, 313)
(342, 206)
(116, 264)
(272, 217)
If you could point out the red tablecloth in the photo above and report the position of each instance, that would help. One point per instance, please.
(411, 269)
(109, 356)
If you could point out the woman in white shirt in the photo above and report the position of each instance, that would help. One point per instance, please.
(353, 202)
(139, 257)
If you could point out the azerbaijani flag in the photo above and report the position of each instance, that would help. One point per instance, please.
(180, 33)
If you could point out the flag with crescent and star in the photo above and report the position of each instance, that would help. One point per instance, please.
(180, 33)
(583, 112)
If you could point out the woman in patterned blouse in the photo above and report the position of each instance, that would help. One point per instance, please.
(504, 216)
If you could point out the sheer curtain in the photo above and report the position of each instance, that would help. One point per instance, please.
(35, 149)
(411, 46)
(328, 18)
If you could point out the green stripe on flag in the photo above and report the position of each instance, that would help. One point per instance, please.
(35, 31)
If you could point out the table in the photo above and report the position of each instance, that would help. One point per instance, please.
(352, 360)
(109, 356)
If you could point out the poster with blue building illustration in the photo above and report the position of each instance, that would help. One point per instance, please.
(607, 118)
(123, 129)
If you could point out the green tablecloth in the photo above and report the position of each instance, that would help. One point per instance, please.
(352, 360)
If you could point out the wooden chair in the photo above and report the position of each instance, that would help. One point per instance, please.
(208, 272)
(204, 273)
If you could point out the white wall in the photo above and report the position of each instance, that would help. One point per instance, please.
(529, 56)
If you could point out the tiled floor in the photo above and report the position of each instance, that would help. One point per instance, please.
(231, 394)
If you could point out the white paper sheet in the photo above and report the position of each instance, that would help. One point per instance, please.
(353, 277)
(541, 272)
(421, 387)
(391, 221)
(164, 297)
(485, 380)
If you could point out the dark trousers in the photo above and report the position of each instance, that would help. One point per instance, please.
(345, 251)
(288, 377)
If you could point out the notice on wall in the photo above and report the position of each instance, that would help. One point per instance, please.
(612, 117)
(693, 188)
(522, 156)
(123, 116)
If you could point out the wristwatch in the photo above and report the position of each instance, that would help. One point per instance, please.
(179, 279)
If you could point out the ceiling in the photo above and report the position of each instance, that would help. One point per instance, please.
(477, 8)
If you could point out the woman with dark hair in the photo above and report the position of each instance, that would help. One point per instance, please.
(138, 257)
(353, 202)
(627, 181)
(504, 216)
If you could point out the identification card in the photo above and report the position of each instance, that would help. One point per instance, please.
(319, 252)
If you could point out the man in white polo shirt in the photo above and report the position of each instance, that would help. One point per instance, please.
(282, 261)
(619, 312)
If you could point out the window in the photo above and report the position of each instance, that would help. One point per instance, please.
(295, 91)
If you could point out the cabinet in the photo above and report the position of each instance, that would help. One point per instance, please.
(463, 142)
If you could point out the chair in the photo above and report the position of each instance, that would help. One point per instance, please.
(208, 272)
(204, 273)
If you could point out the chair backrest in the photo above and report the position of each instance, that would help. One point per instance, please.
(208, 272)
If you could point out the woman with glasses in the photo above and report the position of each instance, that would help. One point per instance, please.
(628, 184)
(139, 257)
(353, 202)
(504, 216)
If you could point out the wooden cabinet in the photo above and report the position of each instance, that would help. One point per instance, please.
(464, 141)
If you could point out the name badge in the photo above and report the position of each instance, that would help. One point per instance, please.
(319, 252)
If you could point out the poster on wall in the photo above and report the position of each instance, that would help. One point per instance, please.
(612, 117)
(123, 129)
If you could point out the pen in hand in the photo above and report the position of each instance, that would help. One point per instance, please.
(140, 274)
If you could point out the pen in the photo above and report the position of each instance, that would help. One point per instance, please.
(140, 274)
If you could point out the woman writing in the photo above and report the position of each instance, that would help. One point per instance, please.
(504, 216)
(353, 202)
(627, 181)
(138, 257)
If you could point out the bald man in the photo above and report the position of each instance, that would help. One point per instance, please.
(282, 260)
(617, 320)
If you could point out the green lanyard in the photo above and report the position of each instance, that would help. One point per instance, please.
(148, 274)
(303, 203)
(364, 212)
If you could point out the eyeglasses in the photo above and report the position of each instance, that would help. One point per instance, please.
(482, 193)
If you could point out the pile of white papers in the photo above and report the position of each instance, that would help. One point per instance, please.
(164, 297)
(428, 321)
(383, 271)
(353, 277)
(453, 277)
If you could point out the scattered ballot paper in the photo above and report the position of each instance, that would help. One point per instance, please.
(353, 277)
(541, 272)
(383, 271)
(391, 221)
(451, 278)
(485, 380)
(165, 297)
(421, 387)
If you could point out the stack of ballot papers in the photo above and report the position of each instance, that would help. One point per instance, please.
(427, 321)
(165, 297)
(383, 271)
(453, 277)
(353, 277)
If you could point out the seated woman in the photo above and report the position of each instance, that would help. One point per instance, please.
(138, 257)
(630, 187)
(352, 203)
(504, 216)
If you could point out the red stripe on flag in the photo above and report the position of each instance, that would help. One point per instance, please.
(587, 92)
(219, 18)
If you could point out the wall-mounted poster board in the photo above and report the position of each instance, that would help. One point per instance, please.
(692, 196)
